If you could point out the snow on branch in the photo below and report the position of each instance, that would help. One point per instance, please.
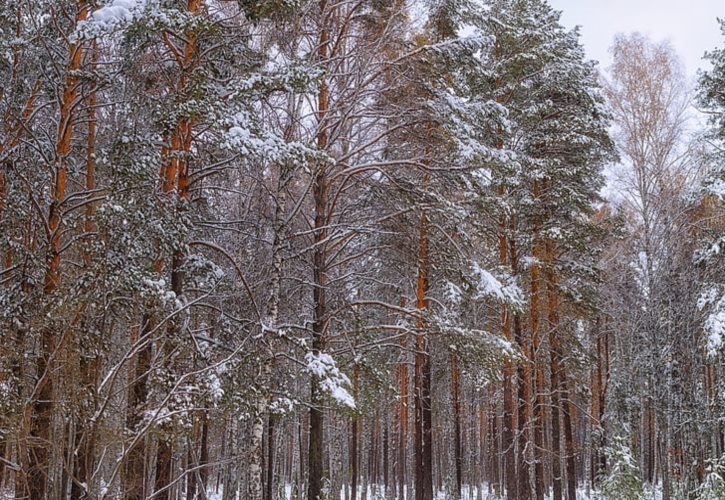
(115, 15)
(714, 299)
(332, 380)
(248, 139)
(489, 286)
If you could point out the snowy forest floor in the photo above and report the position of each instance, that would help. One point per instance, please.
(377, 492)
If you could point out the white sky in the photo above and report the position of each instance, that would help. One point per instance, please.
(690, 25)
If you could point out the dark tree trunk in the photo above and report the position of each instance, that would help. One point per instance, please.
(316, 470)
(269, 484)
(163, 470)
(354, 453)
(455, 395)
(134, 484)
(423, 414)
(568, 433)
(524, 410)
(554, 357)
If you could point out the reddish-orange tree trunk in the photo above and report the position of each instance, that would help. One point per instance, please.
(403, 415)
(85, 437)
(43, 393)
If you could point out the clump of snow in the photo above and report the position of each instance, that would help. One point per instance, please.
(247, 138)
(109, 18)
(713, 299)
(454, 293)
(215, 388)
(281, 406)
(490, 286)
(332, 380)
(158, 289)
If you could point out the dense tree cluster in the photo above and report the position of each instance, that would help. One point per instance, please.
(319, 249)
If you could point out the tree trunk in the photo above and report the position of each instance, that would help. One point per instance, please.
(85, 438)
(535, 358)
(354, 453)
(134, 470)
(386, 458)
(403, 414)
(568, 432)
(554, 356)
(270, 458)
(39, 414)
(177, 177)
(316, 470)
(509, 409)
(521, 412)
(422, 395)
(163, 469)
(457, 438)
(524, 412)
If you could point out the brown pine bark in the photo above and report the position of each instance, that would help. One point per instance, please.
(85, 438)
(134, 484)
(163, 469)
(422, 396)
(534, 312)
(71, 92)
(354, 454)
(403, 414)
(38, 416)
(482, 463)
(176, 176)
(192, 478)
(494, 445)
(554, 358)
(524, 411)
(316, 471)
(523, 408)
(596, 408)
(568, 432)
(165, 448)
(509, 408)
(509, 423)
